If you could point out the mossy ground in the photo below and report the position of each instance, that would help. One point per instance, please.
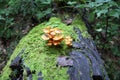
(40, 57)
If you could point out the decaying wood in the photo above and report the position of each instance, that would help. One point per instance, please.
(87, 64)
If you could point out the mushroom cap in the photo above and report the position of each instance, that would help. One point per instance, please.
(53, 33)
(50, 36)
(58, 31)
(46, 30)
(52, 29)
(67, 42)
(68, 38)
(50, 42)
(58, 38)
(45, 37)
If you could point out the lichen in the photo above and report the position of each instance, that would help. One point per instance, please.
(40, 57)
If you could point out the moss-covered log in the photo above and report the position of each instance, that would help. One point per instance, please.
(38, 60)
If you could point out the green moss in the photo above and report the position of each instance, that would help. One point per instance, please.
(40, 57)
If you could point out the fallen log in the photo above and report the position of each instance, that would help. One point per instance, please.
(38, 61)
(87, 62)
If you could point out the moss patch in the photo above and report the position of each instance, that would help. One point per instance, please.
(40, 57)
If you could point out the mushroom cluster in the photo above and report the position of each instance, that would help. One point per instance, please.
(54, 36)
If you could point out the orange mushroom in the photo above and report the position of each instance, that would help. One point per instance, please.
(53, 33)
(45, 37)
(69, 44)
(58, 31)
(46, 30)
(50, 36)
(68, 40)
(54, 36)
(58, 38)
(52, 29)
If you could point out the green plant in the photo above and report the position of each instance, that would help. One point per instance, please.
(6, 21)
(104, 15)
(30, 8)
(10, 10)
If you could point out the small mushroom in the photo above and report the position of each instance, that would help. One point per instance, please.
(68, 37)
(45, 37)
(58, 38)
(50, 36)
(46, 30)
(53, 33)
(58, 31)
(50, 42)
(69, 44)
(52, 29)
(68, 40)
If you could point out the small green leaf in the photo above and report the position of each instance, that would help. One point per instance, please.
(48, 11)
(104, 11)
(81, 6)
(46, 2)
(71, 2)
(99, 30)
(116, 51)
(101, 1)
(2, 18)
(114, 13)
(40, 15)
